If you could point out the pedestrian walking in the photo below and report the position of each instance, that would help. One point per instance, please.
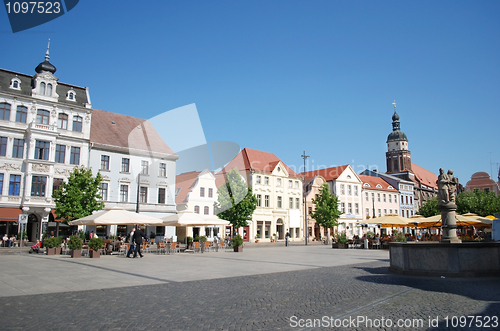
(138, 235)
(131, 242)
(287, 235)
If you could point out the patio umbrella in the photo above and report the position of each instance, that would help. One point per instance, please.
(435, 221)
(188, 218)
(117, 216)
(390, 221)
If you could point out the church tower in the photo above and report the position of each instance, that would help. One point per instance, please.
(398, 156)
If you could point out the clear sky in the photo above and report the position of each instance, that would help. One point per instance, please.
(288, 76)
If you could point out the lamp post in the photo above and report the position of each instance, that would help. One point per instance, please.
(373, 203)
(306, 230)
(138, 192)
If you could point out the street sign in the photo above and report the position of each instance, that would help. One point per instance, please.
(23, 219)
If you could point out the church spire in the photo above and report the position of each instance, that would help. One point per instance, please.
(47, 56)
(46, 65)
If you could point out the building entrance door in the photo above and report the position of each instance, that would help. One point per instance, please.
(246, 233)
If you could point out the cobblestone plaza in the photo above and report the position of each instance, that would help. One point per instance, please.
(263, 288)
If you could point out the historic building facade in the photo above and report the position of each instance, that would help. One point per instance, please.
(312, 189)
(379, 197)
(44, 134)
(482, 181)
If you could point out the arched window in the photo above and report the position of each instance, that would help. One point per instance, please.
(15, 84)
(42, 88)
(206, 210)
(49, 90)
(77, 123)
(5, 111)
(42, 116)
(197, 209)
(62, 121)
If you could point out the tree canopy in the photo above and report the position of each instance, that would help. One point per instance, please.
(327, 210)
(79, 197)
(429, 208)
(478, 202)
(236, 202)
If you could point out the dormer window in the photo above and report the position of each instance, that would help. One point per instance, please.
(42, 88)
(49, 90)
(15, 83)
(71, 95)
(379, 186)
(366, 185)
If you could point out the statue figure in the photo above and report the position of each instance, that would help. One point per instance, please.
(453, 182)
(443, 187)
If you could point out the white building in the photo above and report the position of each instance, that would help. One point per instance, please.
(279, 195)
(196, 192)
(137, 166)
(379, 197)
(44, 134)
(346, 185)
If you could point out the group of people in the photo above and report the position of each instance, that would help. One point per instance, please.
(135, 240)
(9, 242)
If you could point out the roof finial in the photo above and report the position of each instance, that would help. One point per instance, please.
(394, 103)
(47, 57)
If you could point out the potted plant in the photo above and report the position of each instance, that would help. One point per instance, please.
(189, 242)
(75, 244)
(341, 241)
(202, 240)
(95, 244)
(238, 243)
(58, 242)
(257, 238)
(50, 245)
(274, 237)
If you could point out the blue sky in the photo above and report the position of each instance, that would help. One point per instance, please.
(289, 76)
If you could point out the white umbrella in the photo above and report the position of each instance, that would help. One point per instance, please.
(390, 220)
(117, 216)
(188, 218)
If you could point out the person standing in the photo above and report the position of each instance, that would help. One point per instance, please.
(287, 235)
(131, 242)
(138, 235)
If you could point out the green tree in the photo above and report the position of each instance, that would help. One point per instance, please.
(236, 202)
(478, 202)
(429, 208)
(326, 213)
(79, 197)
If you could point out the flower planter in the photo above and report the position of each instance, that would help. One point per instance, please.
(95, 254)
(257, 240)
(238, 249)
(51, 251)
(76, 253)
(58, 250)
(339, 245)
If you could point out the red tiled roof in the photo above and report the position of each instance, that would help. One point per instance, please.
(374, 181)
(424, 176)
(251, 159)
(119, 130)
(328, 174)
(185, 183)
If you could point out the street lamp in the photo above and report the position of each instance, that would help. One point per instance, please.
(306, 230)
(373, 203)
(138, 192)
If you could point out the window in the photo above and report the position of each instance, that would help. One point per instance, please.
(379, 213)
(390, 211)
(77, 123)
(342, 189)
(62, 121)
(144, 167)
(38, 186)
(390, 198)
(411, 200)
(309, 210)
(104, 162)
(5, 111)
(42, 116)
(385, 212)
(74, 157)
(42, 150)
(162, 172)
(296, 184)
(342, 207)
(1, 184)
(161, 195)
(259, 200)
(104, 191)
(406, 199)
(18, 148)
(356, 208)
(21, 114)
(378, 197)
(290, 204)
(385, 200)
(278, 181)
(373, 196)
(143, 195)
(367, 211)
(15, 83)
(349, 208)
(279, 202)
(266, 180)
(257, 179)
(366, 196)
(355, 191)
(349, 190)
(124, 193)
(402, 200)
(290, 184)
(210, 192)
(197, 209)
(266, 201)
(206, 210)
(125, 165)
(297, 203)
(49, 90)
(42, 88)
(14, 184)
(3, 146)
(202, 192)
(60, 153)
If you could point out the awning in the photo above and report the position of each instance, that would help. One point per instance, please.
(9, 214)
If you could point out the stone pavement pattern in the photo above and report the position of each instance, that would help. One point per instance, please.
(257, 301)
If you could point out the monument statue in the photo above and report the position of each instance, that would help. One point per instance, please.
(447, 186)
